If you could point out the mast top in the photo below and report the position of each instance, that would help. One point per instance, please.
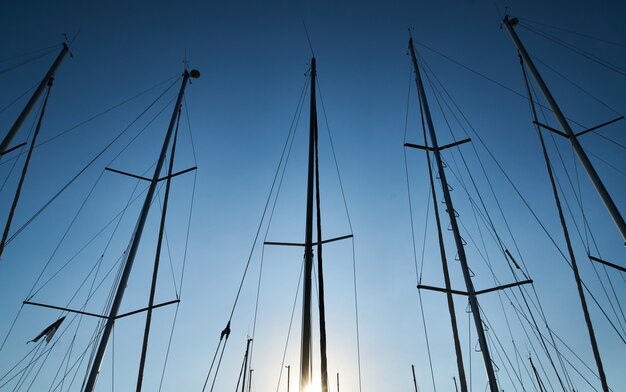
(514, 21)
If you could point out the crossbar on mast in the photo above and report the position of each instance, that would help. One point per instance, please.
(617, 267)
(343, 237)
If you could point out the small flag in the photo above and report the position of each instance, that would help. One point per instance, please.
(226, 331)
(49, 332)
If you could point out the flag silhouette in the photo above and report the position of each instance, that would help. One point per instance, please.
(49, 332)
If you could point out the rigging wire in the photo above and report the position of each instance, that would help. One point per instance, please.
(319, 260)
(578, 198)
(284, 155)
(271, 215)
(579, 87)
(571, 260)
(28, 370)
(71, 224)
(419, 274)
(343, 195)
(15, 320)
(28, 60)
(99, 114)
(502, 85)
(15, 161)
(6, 179)
(499, 242)
(418, 271)
(38, 371)
(188, 231)
(490, 224)
(610, 140)
(517, 191)
(19, 97)
(575, 32)
(586, 245)
(537, 331)
(84, 168)
(576, 50)
(30, 53)
(87, 197)
(293, 311)
(269, 196)
(273, 209)
(527, 205)
(93, 238)
(168, 249)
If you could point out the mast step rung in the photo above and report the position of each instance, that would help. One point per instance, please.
(456, 214)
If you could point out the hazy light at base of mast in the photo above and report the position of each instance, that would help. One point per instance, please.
(315, 386)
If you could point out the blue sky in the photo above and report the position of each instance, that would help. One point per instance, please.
(253, 57)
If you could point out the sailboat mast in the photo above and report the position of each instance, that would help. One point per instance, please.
(471, 292)
(539, 382)
(582, 156)
(157, 259)
(305, 353)
(136, 238)
(4, 145)
(570, 250)
(245, 365)
(446, 276)
(320, 269)
(20, 184)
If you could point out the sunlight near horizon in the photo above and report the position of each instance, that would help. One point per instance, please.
(315, 386)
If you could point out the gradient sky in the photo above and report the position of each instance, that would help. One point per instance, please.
(253, 57)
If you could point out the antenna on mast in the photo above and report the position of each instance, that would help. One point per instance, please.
(308, 37)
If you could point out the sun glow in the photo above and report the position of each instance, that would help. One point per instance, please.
(313, 387)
